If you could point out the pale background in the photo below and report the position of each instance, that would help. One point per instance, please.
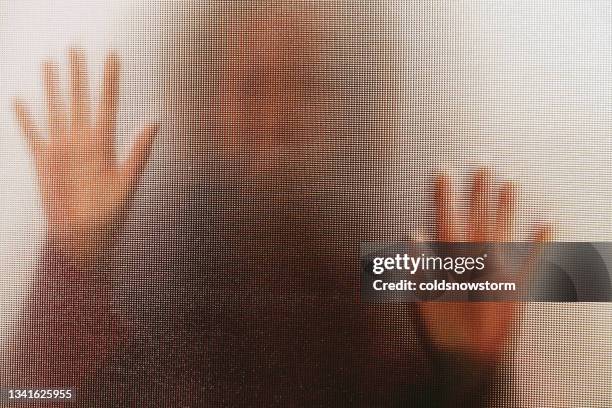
(524, 86)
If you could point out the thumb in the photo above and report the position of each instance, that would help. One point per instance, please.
(28, 127)
(135, 164)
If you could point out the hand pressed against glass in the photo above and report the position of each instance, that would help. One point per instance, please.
(85, 190)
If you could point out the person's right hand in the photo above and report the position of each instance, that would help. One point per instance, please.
(85, 191)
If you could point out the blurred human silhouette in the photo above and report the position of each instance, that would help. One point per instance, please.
(248, 291)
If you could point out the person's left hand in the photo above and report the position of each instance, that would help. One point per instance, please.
(479, 329)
